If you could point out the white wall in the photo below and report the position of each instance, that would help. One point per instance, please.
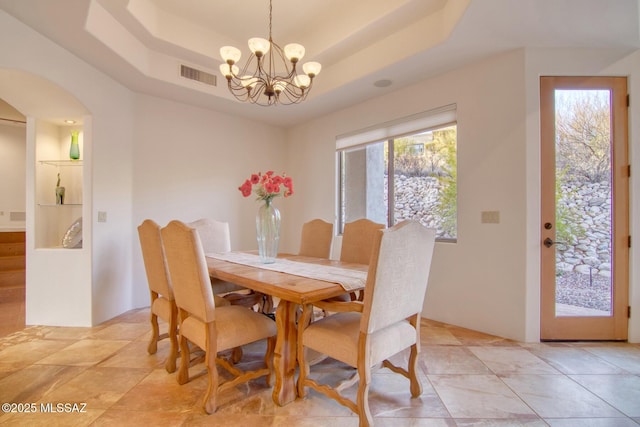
(489, 279)
(12, 177)
(189, 163)
(484, 271)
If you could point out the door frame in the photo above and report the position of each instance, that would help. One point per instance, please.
(613, 327)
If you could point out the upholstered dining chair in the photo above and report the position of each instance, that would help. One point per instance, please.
(213, 329)
(357, 242)
(215, 237)
(163, 304)
(365, 334)
(316, 239)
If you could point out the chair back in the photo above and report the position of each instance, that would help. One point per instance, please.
(398, 275)
(214, 235)
(154, 259)
(316, 239)
(188, 270)
(357, 240)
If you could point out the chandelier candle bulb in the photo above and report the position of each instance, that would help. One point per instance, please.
(311, 69)
(259, 46)
(230, 54)
(294, 52)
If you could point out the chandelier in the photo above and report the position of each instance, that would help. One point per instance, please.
(270, 76)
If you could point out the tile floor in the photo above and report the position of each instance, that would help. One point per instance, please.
(469, 379)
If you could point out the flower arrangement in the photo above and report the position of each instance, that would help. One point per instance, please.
(267, 186)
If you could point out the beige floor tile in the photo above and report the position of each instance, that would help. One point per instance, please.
(437, 336)
(478, 396)
(28, 385)
(135, 355)
(557, 396)
(475, 422)
(507, 360)
(84, 353)
(451, 360)
(620, 391)
(141, 418)
(390, 396)
(62, 333)
(625, 357)
(159, 391)
(29, 352)
(122, 331)
(591, 422)
(52, 419)
(574, 360)
(99, 388)
(414, 422)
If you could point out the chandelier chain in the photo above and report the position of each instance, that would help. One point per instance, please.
(270, 15)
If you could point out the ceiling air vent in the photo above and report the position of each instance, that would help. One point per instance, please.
(197, 75)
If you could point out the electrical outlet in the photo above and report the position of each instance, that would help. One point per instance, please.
(490, 217)
(102, 216)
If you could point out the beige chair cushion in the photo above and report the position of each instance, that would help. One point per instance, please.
(236, 326)
(341, 331)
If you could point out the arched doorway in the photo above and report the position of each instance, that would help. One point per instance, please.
(51, 113)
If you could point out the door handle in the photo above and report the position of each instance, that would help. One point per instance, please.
(548, 242)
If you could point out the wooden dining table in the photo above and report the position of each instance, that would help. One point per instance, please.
(292, 291)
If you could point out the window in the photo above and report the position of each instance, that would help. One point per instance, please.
(410, 174)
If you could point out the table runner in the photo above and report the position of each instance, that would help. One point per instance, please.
(350, 280)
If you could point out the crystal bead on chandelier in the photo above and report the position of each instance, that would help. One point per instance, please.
(269, 83)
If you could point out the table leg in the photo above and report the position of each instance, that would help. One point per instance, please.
(284, 358)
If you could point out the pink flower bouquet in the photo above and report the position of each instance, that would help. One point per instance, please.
(267, 186)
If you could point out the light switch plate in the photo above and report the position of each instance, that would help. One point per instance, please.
(490, 217)
(102, 216)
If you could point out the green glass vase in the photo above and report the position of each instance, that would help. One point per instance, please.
(74, 149)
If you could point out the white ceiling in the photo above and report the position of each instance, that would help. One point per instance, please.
(141, 43)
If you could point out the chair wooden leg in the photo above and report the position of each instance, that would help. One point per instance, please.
(415, 387)
(364, 377)
(155, 334)
(364, 412)
(170, 365)
(211, 396)
(185, 356)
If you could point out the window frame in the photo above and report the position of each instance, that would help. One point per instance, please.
(421, 122)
